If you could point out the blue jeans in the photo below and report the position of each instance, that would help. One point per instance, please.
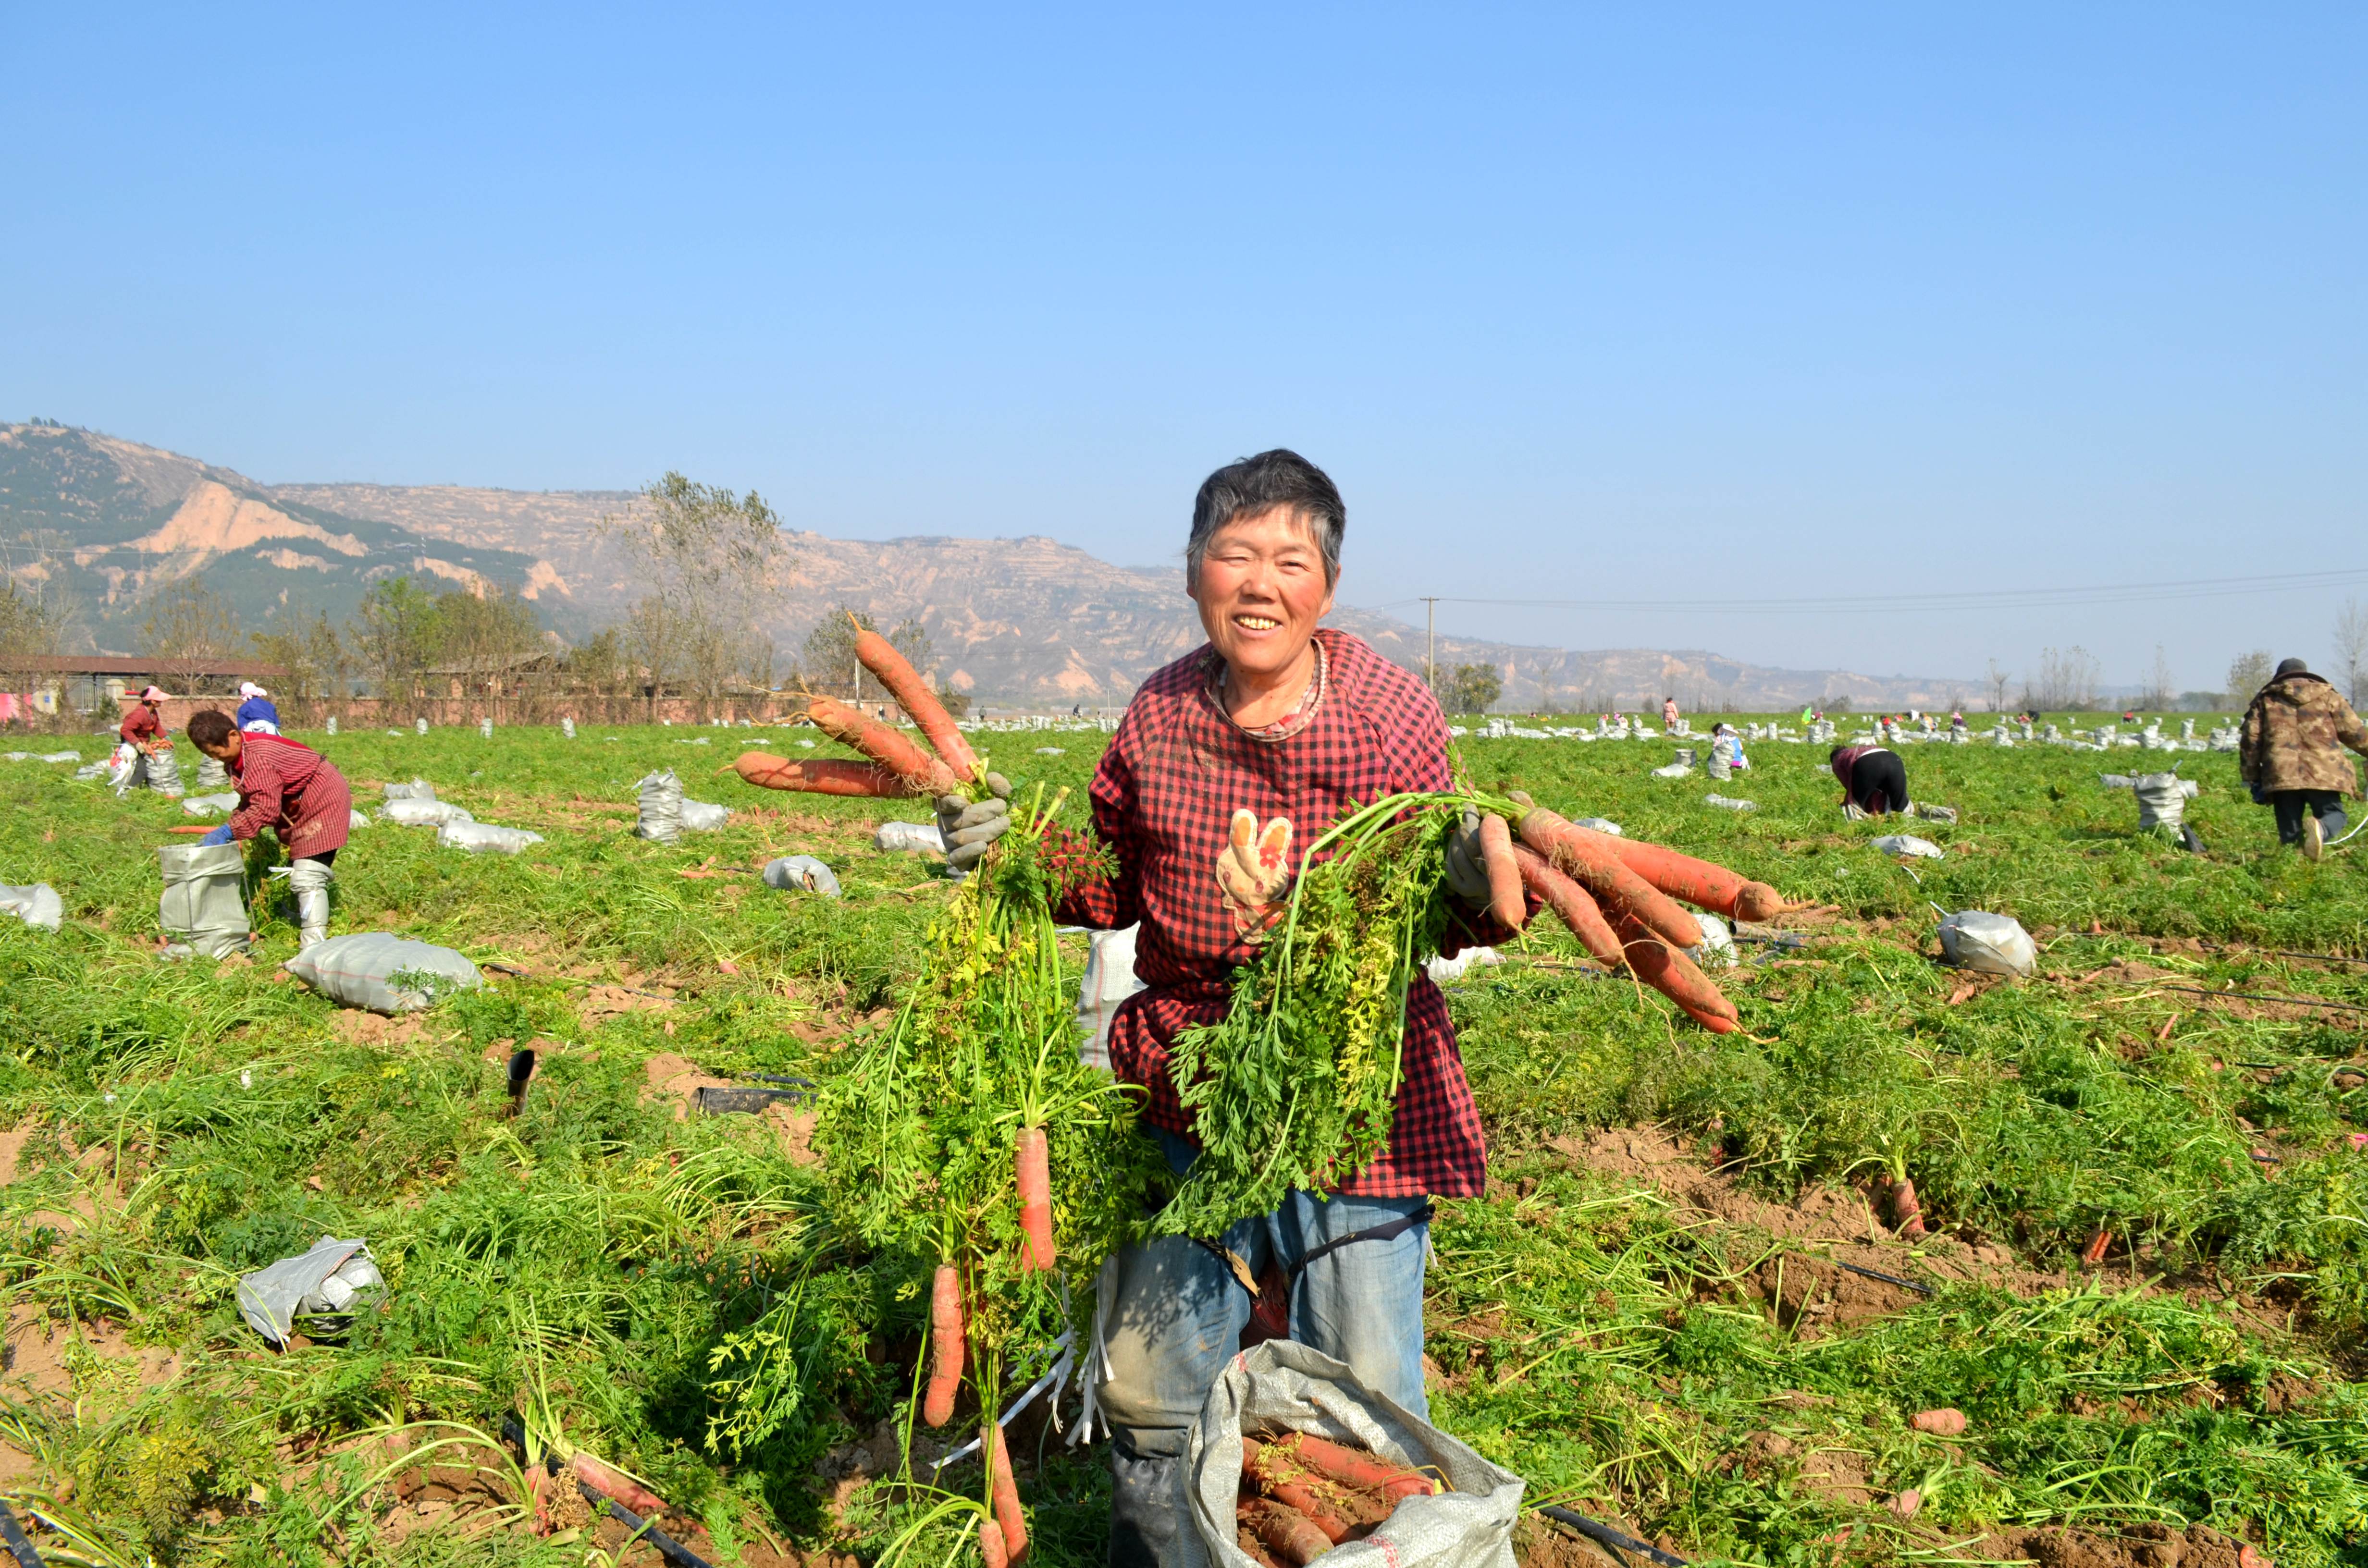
(1178, 1316)
(1181, 1311)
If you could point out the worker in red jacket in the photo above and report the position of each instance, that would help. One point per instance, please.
(292, 789)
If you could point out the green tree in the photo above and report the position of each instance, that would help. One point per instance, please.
(311, 656)
(394, 636)
(481, 637)
(1469, 688)
(2248, 673)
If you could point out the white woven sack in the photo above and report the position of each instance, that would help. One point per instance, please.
(800, 873)
(1284, 1386)
(417, 789)
(37, 905)
(894, 837)
(479, 837)
(405, 812)
(659, 796)
(164, 771)
(703, 816)
(1909, 844)
(382, 972)
(203, 906)
(1109, 979)
(211, 805)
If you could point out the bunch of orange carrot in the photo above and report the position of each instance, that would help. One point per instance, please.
(1620, 899)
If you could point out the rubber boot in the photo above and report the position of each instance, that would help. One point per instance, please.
(1147, 1519)
(309, 881)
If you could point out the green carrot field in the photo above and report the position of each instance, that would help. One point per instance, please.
(1654, 1314)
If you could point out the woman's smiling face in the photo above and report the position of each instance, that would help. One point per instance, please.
(1261, 591)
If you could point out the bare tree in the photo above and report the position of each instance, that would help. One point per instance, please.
(828, 664)
(710, 559)
(189, 630)
(2351, 649)
(1997, 679)
(28, 635)
(2248, 673)
(311, 656)
(2160, 690)
(2067, 681)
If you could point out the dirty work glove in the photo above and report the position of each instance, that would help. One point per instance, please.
(1467, 871)
(1252, 870)
(219, 835)
(970, 826)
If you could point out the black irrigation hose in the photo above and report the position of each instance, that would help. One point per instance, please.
(2289, 953)
(13, 1536)
(1886, 1278)
(2255, 996)
(1596, 1530)
(668, 1548)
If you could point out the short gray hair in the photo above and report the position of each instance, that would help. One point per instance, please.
(1245, 488)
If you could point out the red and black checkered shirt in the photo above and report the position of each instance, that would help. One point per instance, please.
(1163, 798)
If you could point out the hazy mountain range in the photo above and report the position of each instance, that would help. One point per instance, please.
(1023, 621)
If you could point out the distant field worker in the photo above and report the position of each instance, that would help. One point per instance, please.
(1873, 780)
(2290, 751)
(1670, 714)
(256, 714)
(142, 727)
(294, 791)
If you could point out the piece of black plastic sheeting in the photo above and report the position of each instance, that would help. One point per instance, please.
(1596, 1530)
(13, 1535)
(740, 1099)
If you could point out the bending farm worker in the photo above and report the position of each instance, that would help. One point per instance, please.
(257, 715)
(2290, 751)
(143, 727)
(1264, 736)
(1670, 714)
(294, 791)
(1873, 780)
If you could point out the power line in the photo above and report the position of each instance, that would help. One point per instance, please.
(1880, 602)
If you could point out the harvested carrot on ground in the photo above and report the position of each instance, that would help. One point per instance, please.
(1698, 882)
(990, 1544)
(945, 1346)
(1505, 900)
(913, 696)
(1035, 1181)
(824, 776)
(883, 746)
(615, 1483)
(1007, 1512)
(1571, 902)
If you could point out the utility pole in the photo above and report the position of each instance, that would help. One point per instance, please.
(1430, 641)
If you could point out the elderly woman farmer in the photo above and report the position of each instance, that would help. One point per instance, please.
(292, 789)
(1873, 780)
(1273, 729)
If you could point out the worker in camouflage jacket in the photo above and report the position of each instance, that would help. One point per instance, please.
(2290, 754)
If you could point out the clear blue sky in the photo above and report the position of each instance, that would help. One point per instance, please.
(1633, 302)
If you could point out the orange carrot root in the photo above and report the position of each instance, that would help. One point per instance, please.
(1907, 1214)
(828, 776)
(1668, 970)
(610, 1483)
(1007, 1512)
(1353, 1470)
(1586, 859)
(913, 696)
(1504, 877)
(1570, 901)
(875, 740)
(2094, 1253)
(1758, 901)
(990, 1544)
(1035, 1177)
(1291, 1534)
(1945, 1422)
(945, 1346)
